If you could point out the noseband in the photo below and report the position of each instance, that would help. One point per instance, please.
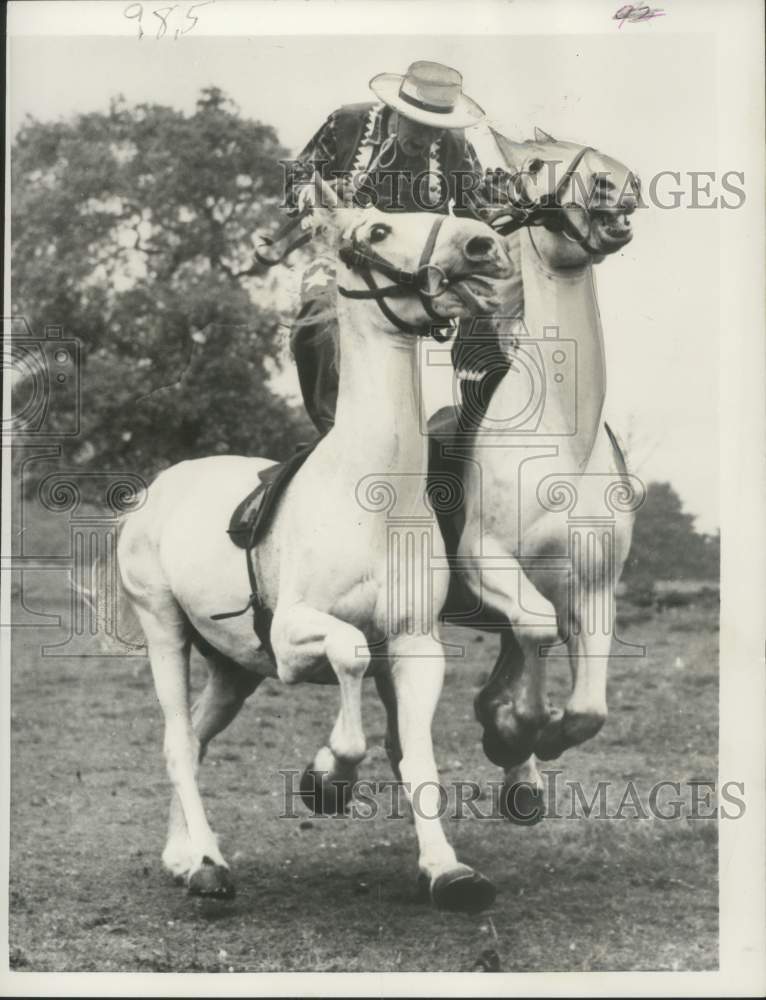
(551, 212)
(358, 257)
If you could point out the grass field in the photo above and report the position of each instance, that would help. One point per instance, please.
(89, 799)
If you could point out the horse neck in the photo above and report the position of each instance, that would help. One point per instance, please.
(378, 417)
(561, 305)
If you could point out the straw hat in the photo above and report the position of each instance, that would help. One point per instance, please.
(428, 93)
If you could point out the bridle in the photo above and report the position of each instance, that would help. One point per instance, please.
(359, 257)
(551, 211)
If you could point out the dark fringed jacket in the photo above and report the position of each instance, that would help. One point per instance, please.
(358, 142)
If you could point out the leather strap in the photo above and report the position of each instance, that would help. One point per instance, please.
(525, 212)
(262, 615)
(364, 261)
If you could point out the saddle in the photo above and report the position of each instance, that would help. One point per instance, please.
(249, 523)
(253, 515)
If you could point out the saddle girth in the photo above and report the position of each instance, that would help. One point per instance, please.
(249, 523)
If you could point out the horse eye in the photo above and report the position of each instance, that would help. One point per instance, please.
(378, 233)
(535, 166)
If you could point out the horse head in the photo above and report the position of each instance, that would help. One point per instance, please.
(580, 199)
(421, 269)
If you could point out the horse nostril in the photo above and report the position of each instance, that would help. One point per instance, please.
(479, 248)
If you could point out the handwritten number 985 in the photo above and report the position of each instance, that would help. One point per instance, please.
(135, 11)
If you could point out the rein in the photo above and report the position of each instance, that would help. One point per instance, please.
(360, 258)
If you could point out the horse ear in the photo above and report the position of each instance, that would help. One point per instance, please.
(513, 152)
(542, 136)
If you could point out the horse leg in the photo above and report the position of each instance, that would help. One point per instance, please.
(387, 694)
(228, 686)
(523, 795)
(586, 709)
(168, 644)
(512, 706)
(417, 672)
(511, 729)
(301, 637)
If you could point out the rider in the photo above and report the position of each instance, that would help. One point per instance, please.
(406, 152)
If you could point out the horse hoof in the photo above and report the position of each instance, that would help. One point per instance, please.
(494, 750)
(522, 803)
(503, 754)
(552, 740)
(567, 730)
(212, 880)
(323, 796)
(463, 890)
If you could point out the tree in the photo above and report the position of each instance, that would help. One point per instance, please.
(133, 230)
(665, 545)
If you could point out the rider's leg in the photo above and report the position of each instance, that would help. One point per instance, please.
(313, 347)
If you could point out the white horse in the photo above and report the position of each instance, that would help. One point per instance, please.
(546, 519)
(324, 567)
(549, 504)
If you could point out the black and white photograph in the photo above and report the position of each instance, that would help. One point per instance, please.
(383, 485)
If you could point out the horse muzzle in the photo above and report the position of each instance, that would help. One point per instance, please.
(488, 256)
(482, 294)
(612, 227)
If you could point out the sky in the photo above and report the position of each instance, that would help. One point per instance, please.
(647, 100)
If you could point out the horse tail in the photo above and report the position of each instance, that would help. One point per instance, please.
(128, 627)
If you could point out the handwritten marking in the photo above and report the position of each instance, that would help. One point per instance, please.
(630, 13)
(140, 10)
(162, 30)
(164, 15)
